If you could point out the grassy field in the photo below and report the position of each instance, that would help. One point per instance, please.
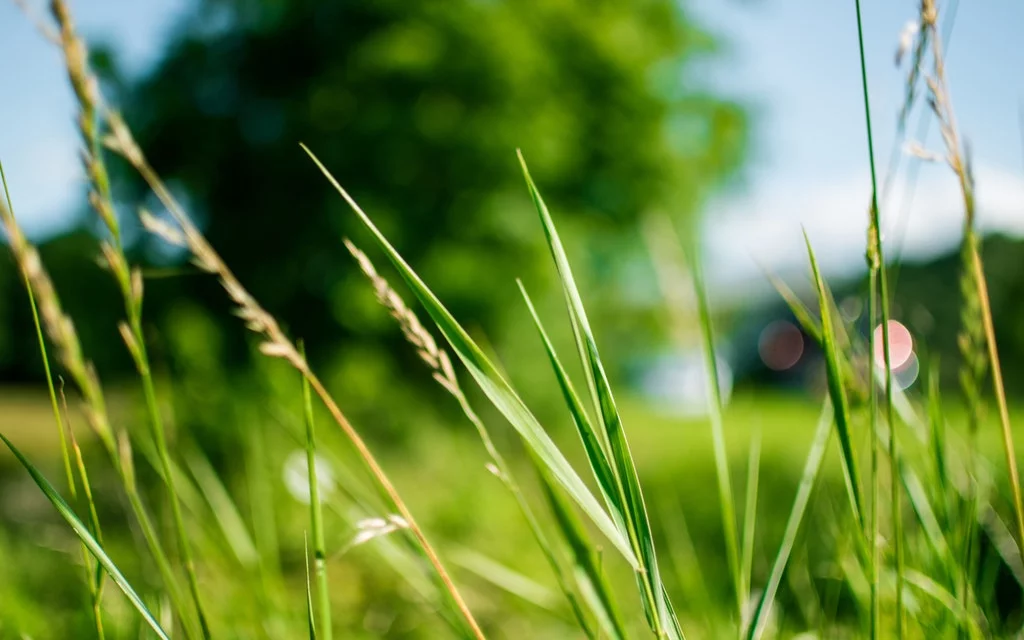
(474, 523)
(264, 512)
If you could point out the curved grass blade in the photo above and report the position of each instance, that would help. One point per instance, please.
(837, 390)
(796, 515)
(629, 496)
(605, 475)
(90, 542)
(494, 386)
(594, 586)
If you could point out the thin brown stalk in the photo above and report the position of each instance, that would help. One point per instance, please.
(973, 264)
(276, 343)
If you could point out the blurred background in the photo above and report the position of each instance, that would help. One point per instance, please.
(740, 122)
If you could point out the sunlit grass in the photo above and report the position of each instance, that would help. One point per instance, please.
(588, 492)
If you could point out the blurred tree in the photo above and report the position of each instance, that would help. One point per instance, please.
(417, 107)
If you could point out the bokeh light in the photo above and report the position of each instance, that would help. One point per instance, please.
(781, 345)
(901, 345)
(907, 374)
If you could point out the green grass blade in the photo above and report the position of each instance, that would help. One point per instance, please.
(725, 495)
(812, 466)
(941, 595)
(603, 472)
(750, 512)
(594, 586)
(937, 430)
(222, 506)
(65, 453)
(316, 514)
(95, 580)
(494, 386)
(800, 310)
(926, 517)
(837, 391)
(310, 616)
(90, 542)
(630, 496)
(506, 578)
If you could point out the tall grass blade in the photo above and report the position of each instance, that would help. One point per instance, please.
(876, 264)
(607, 480)
(726, 499)
(438, 360)
(750, 514)
(594, 586)
(316, 514)
(95, 580)
(222, 506)
(837, 391)
(494, 386)
(82, 531)
(629, 496)
(64, 451)
(937, 434)
(310, 616)
(812, 466)
(927, 519)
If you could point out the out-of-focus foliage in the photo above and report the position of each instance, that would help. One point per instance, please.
(418, 107)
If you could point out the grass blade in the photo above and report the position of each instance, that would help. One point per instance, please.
(316, 514)
(594, 587)
(837, 391)
(796, 515)
(877, 274)
(725, 495)
(507, 579)
(605, 475)
(94, 578)
(90, 542)
(494, 386)
(630, 500)
(439, 362)
(222, 506)
(750, 513)
(310, 616)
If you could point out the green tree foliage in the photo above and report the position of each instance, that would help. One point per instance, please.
(418, 108)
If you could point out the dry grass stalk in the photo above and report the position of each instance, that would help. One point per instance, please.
(417, 335)
(61, 331)
(974, 339)
(86, 88)
(59, 328)
(275, 343)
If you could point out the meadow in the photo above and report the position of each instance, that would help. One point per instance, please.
(865, 512)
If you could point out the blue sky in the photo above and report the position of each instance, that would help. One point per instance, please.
(794, 62)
